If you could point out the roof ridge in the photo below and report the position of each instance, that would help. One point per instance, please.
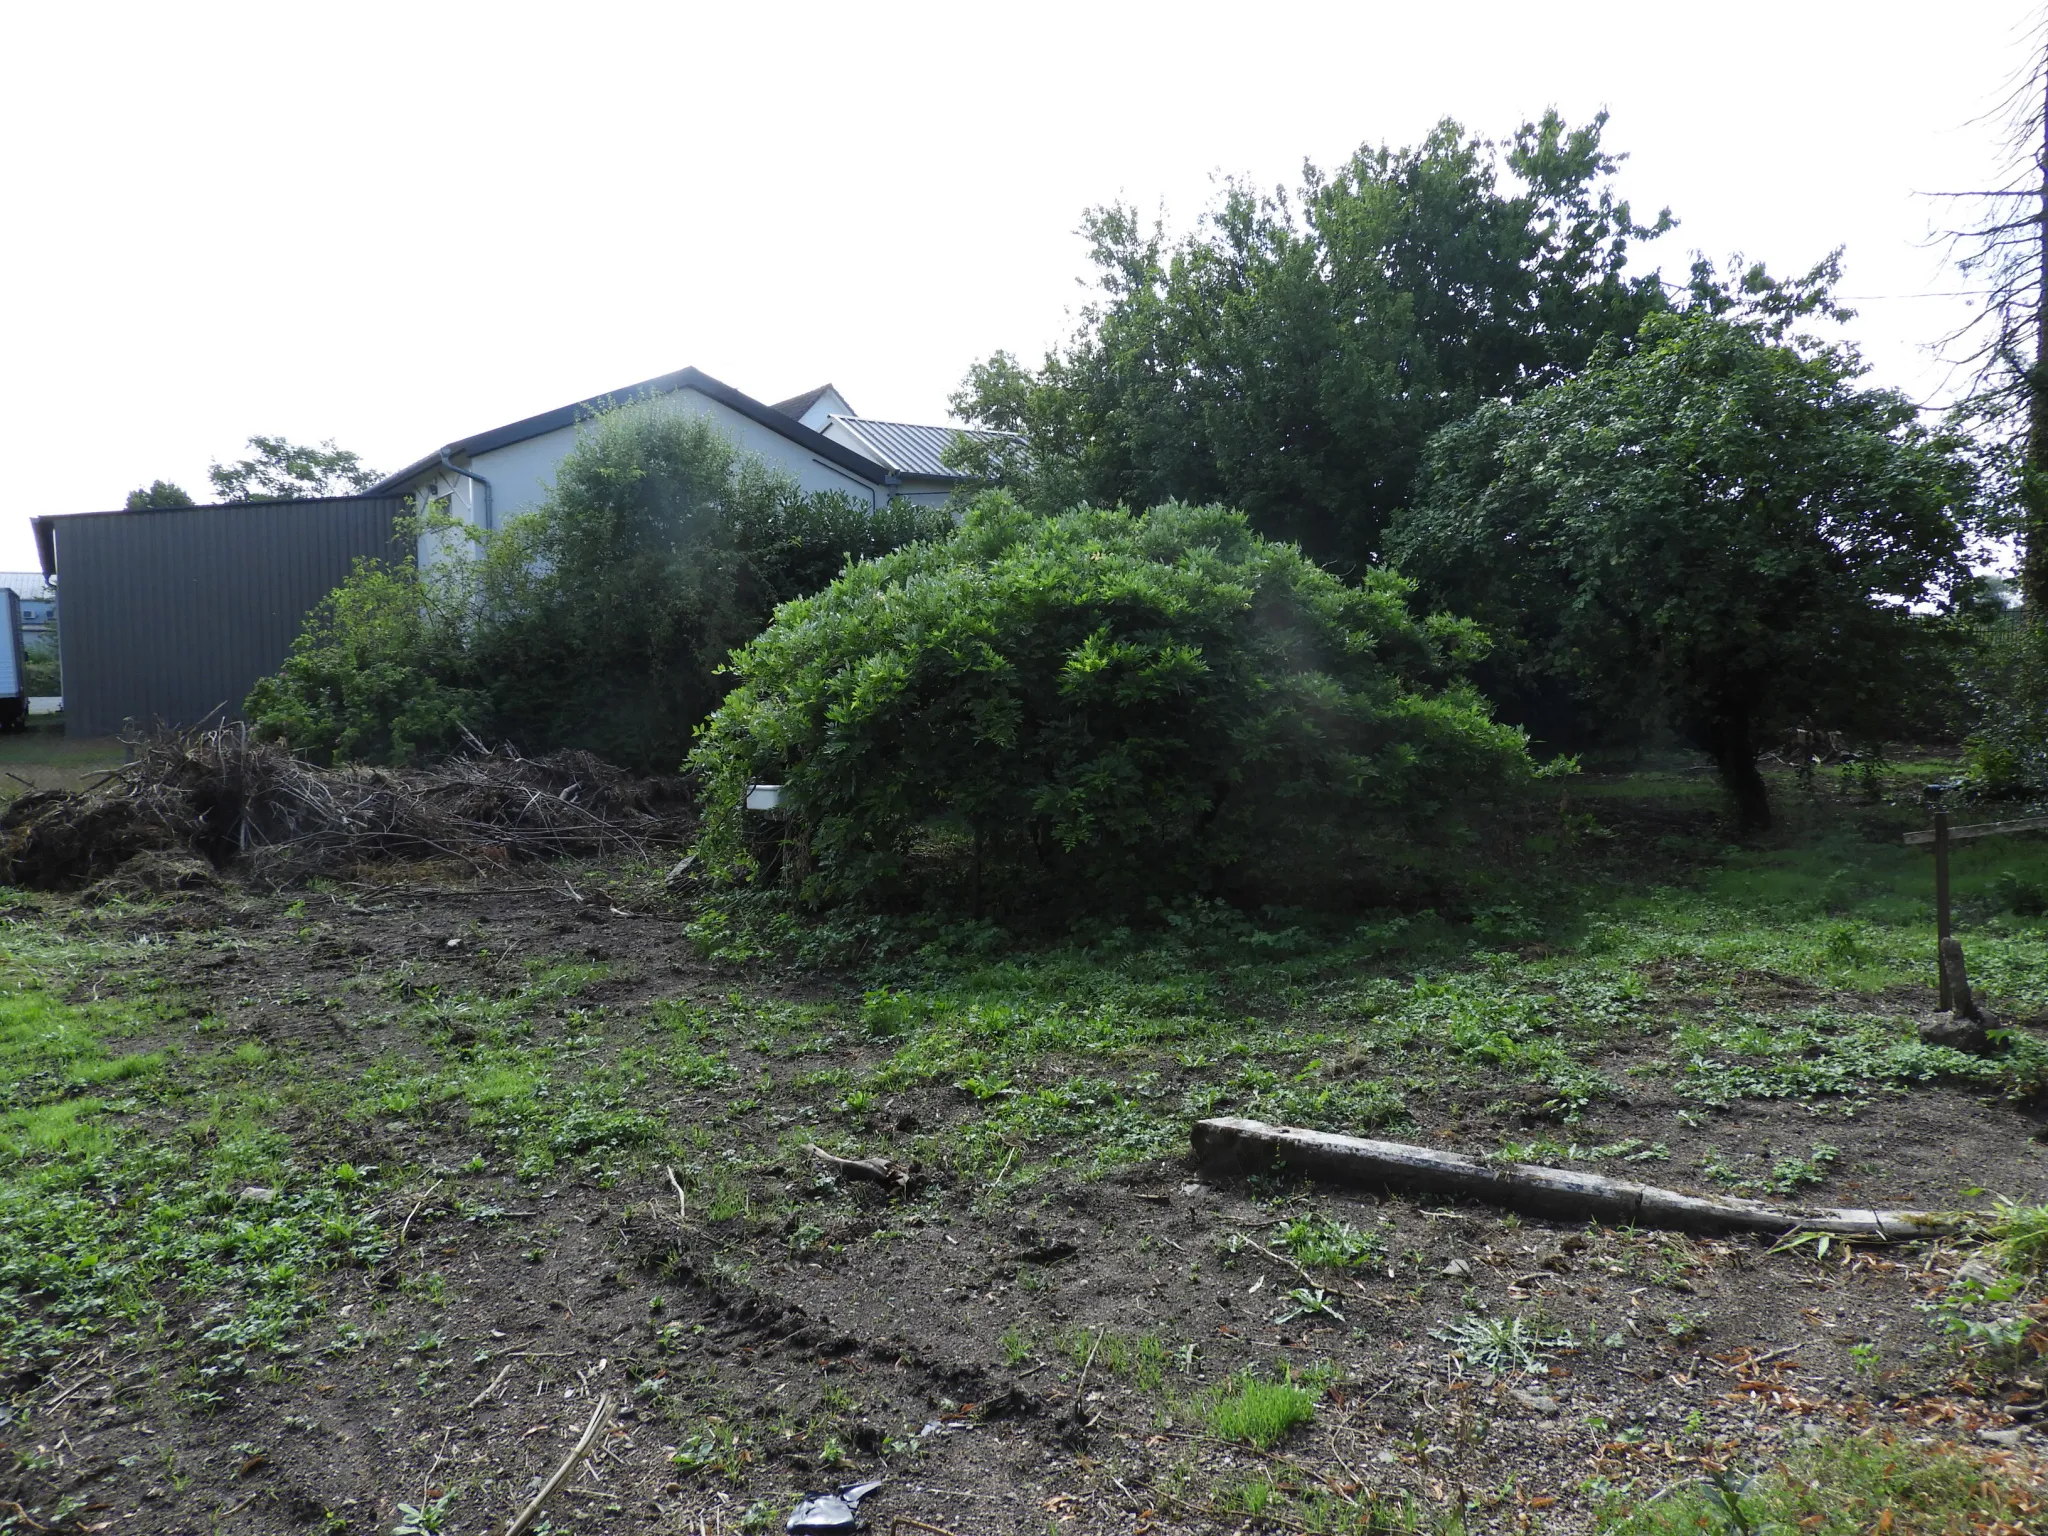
(683, 378)
(796, 405)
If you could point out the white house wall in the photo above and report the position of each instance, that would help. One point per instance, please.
(522, 473)
(824, 408)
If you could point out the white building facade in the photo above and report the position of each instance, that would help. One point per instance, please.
(816, 439)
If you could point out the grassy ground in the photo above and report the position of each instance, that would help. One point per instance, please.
(334, 1208)
(43, 757)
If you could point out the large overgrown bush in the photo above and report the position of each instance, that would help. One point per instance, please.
(1098, 709)
(377, 674)
(599, 621)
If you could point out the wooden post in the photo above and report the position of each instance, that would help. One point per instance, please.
(1941, 916)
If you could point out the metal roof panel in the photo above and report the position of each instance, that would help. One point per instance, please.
(910, 449)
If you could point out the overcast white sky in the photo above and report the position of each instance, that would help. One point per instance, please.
(393, 225)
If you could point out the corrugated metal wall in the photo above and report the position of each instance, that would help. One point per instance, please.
(169, 615)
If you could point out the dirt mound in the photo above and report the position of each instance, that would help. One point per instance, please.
(156, 872)
(230, 799)
(55, 839)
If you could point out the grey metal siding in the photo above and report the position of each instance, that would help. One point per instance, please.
(172, 615)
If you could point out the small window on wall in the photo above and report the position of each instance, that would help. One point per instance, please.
(433, 503)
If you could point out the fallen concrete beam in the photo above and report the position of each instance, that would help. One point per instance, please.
(1251, 1146)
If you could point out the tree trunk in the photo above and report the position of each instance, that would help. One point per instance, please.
(2033, 540)
(1732, 745)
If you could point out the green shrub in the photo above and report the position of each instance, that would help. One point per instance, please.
(41, 674)
(2020, 895)
(602, 620)
(1106, 708)
(376, 674)
(2008, 684)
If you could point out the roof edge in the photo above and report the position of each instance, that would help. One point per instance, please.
(44, 524)
(520, 431)
(880, 450)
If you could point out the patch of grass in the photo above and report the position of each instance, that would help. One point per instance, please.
(1848, 1487)
(1261, 1413)
(1822, 1052)
(118, 1213)
(1321, 1239)
(2021, 1232)
(1140, 1359)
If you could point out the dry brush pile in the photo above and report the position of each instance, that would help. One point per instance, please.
(238, 801)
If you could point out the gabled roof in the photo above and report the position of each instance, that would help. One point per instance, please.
(582, 410)
(909, 449)
(797, 405)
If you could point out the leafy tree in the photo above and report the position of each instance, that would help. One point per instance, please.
(1097, 709)
(1292, 356)
(158, 493)
(280, 470)
(1718, 525)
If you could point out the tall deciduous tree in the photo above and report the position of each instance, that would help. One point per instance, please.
(1292, 356)
(1717, 523)
(280, 470)
(2005, 254)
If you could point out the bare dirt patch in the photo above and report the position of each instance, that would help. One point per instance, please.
(1006, 1355)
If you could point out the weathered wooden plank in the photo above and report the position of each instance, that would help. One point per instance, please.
(1985, 829)
(1252, 1146)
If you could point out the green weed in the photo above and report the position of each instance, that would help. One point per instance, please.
(424, 1519)
(1321, 1239)
(1787, 1175)
(1502, 1345)
(1847, 1487)
(715, 1449)
(1262, 1413)
(2022, 1235)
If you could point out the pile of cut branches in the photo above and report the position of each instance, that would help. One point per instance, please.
(242, 801)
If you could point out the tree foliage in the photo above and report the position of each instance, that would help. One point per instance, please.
(280, 470)
(2007, 678)
(1292, 356)
(1096, 709)
(601, 620)
(1717, 525)
(158, 493)
(377, 675)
